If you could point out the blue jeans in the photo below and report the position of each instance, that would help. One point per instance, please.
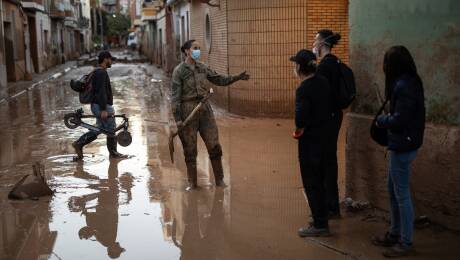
(108, 124)
(402, 212)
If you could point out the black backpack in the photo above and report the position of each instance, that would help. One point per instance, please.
(346, 92)
(84, 87)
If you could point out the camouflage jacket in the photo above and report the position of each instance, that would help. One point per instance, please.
(189, 83)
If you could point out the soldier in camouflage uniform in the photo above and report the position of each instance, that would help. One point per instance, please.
(188, 88)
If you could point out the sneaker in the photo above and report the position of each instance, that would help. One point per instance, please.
(387, 240)
(399, 250)
(311, 231)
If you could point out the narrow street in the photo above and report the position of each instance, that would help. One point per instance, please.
(138, 208)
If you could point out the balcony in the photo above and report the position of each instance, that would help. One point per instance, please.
(33, 5)
(83, 23)
(57, 10)
(69, 13)
(109, 2)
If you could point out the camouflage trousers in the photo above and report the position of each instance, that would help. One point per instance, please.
(204, 123)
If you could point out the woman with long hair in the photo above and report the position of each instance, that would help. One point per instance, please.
(405, 124)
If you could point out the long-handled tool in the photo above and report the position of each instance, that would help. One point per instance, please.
(173, 134)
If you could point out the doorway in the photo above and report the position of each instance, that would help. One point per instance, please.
(33, 42)
(9, 51)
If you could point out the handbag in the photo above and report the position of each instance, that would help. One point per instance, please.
(379, 134)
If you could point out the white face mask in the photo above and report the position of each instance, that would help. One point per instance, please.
(315, 51)
(295, 71)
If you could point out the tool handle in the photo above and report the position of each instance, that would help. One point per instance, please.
(194, 111)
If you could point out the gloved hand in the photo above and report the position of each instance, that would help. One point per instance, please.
(243, 76)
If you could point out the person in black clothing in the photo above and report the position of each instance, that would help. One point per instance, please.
(312, 120)
(101, 107)
(325, 40)
(406, 126)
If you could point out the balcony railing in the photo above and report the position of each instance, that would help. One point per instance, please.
(57, 9)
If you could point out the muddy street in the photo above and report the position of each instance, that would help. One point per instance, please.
(138, 208)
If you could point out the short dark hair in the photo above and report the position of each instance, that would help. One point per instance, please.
(307, 68)
(398, 62)
(186, 46)
(329, 37)
(104, 55)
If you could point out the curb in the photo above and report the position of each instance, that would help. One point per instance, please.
(51, 77)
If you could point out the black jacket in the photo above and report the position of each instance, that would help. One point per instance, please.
(406, 121)
(102, 89)
(329, 68)
(312, 106)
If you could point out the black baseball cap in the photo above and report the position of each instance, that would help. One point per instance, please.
(303, 57)
(104, 55)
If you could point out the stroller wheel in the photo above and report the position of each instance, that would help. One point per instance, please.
(71, 121)
(124, 138)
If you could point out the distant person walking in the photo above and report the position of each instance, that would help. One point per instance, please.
(406, 125)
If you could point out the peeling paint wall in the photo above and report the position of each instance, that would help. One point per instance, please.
(434, 179)
(430, 30)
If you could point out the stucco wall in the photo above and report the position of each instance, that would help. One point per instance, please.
(435, 177)
(430, 30)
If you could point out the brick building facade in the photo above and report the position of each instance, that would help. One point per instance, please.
(258, 36)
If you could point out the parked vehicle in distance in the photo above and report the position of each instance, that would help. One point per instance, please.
(132, 40)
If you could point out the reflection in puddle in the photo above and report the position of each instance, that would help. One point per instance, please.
(137, 208)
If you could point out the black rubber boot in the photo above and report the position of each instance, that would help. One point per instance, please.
(82, 141)
(112, 147)
(218, 172)
(192, 175)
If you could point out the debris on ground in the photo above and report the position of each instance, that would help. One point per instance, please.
(354, 206)
(31, 186)
(422, 222)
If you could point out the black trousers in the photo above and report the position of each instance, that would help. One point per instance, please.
(312, 159)
(331, 176)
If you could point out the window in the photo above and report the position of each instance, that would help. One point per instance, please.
(208, 32)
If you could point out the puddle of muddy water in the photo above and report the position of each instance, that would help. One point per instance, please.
(137, 208)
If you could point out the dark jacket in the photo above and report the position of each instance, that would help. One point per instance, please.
(102, 89)
(329, 68)
(312, 106)
(406, 121)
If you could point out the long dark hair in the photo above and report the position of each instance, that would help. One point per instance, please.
(398, 62)
(187, 45)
